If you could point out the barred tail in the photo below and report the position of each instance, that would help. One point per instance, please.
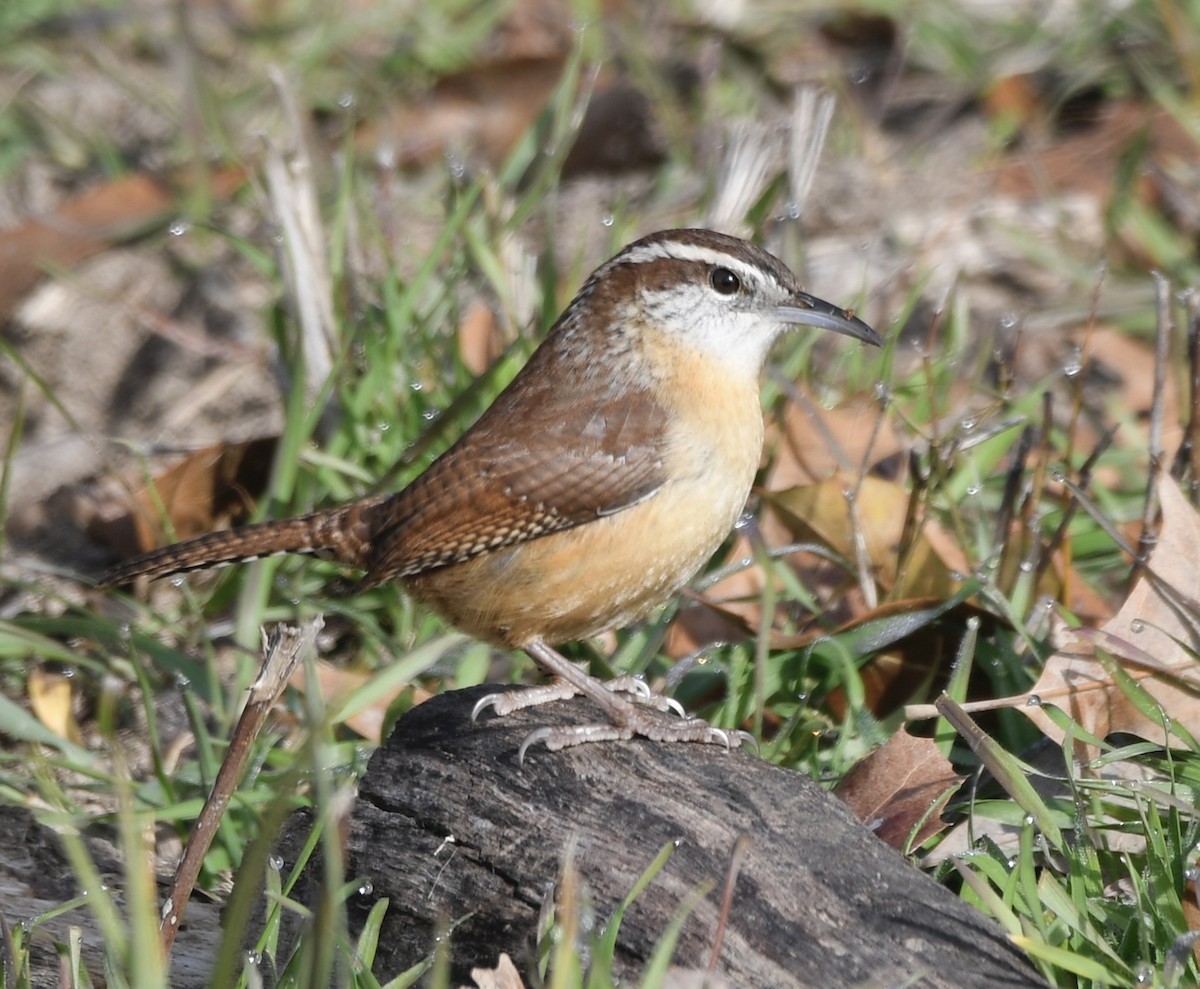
(341, 534)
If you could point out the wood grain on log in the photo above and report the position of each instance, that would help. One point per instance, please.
(818, 901)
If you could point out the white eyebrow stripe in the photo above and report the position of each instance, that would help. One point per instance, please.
(677, 251)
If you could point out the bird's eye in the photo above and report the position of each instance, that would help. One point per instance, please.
(724, 281)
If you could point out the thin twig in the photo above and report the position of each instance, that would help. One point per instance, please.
(284, 649)
(1188, 456)
(736, 859)
(1162, 338)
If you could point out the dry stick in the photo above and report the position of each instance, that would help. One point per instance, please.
(862, 556)
(1188, 456)
(1004, 537)
(913, 518)
(1085, 480)
(736, 859)
(284, 648)
(1162, 337)
(1031, 544)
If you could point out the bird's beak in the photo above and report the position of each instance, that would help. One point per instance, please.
(808, 310)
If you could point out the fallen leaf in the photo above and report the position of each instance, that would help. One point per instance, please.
(51, 697)
(1153, 641)
(1191, 905)
(480, 344)
(1089, 160)
(822, 513)
(336, 686)
(482, 112)
(814, 443)
(209, 488)
(87, 224)
(503, 976)
(899, 789)
(727, 611)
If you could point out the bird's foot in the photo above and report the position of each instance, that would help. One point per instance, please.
(641, 724)
(625, 701)
(507, 701)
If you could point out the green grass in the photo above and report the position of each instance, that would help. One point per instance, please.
(399, 393)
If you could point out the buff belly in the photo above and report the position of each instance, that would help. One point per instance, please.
(615, 570)
(578, 583)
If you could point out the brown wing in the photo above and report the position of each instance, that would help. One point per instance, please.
(538, 461)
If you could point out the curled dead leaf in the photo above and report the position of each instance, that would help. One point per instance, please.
(1153, 640)
(898, 790)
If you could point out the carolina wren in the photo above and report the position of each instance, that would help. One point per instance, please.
(595, 485)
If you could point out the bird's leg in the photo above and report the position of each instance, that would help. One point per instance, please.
(628, 717)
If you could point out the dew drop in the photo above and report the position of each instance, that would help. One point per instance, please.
(1137, 626)
(1029, 820)
(1033, 700)
(346, 100)
(275, 862)
(178, 228)
(608, 219)
(366, 888)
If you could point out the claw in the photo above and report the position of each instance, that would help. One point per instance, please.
(535, 736)
(722, 735)
(481, 705)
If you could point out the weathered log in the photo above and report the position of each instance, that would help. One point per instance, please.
(818, 901)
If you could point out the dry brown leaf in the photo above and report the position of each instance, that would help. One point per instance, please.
(901, 784)
(482, 112)
(211, 487)
(1152, 637)
(480, 344)
(51, 697)
(821, 512)
(1014, 99)
(1191, 907)
(337, 684)
(1088, 160)
(731, 608)
(86, 225)
(815, 443)
(503, 976)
